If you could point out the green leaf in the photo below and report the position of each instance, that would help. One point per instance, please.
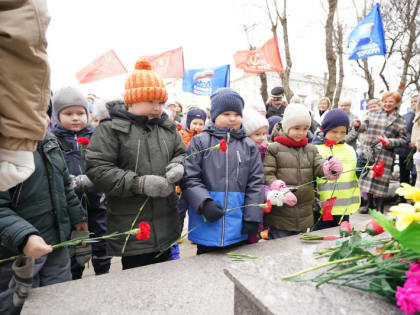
(409, 238)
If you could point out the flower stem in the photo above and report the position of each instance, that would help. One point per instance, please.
(133, 223)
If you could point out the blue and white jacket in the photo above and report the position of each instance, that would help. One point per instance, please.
(234, 178)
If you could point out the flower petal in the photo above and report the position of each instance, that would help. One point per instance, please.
(402, 222)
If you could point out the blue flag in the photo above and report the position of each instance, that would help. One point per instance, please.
(370, 36)
(206, 81)
(362, 106)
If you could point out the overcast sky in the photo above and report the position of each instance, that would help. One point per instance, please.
(210, 32)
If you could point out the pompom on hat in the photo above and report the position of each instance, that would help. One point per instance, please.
(143, 84)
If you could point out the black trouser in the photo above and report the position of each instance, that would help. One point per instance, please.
(405, 170)
(129, 262)
(203, 249)
(328, 224)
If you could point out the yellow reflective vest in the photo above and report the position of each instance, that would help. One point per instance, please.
(346, 188)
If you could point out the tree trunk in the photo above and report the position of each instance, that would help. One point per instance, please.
(340, 64)
(263, 88)
(329, 50)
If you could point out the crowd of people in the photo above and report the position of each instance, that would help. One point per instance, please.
(103, 160)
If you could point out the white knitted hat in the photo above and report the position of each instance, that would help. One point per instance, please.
(252, 120)
(295, 115)
(100, 111)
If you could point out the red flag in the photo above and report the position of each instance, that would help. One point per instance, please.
(169, 64)
(265, 59)
(105, 66)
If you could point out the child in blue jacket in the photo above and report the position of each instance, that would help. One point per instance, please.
(215, 181)
(72, 122)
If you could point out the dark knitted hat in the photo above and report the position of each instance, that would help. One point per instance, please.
(225, 100)
(193, 114)
(335, 118)
(277, 90)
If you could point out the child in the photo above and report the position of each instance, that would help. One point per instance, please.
(256, 128)
(71, 116)
(42, 210)
(136, 157)
(295, 162)
(195, 121)
(335, 126)
(215, 181)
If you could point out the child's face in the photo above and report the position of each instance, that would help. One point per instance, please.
(151, 109)
(197, 124)
(259, 136)
(229, 119)
(298, 133)
(337, 134)
(73, 118)
(95, 122)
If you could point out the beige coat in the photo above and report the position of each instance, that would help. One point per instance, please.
(24, 74)
(295, 166)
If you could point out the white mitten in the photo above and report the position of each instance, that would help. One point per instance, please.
(416, 157)
(276, 197)
(15, 167)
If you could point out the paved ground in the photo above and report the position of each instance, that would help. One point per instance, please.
(188, 249)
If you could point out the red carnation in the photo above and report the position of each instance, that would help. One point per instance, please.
(327, 209)
(179, 126)
(83, 141)
(384, 256)
(330, 143)
(378, 169)
(401, 86)
(381, 91)
(266, 207)
(223, 145)
(384, 143)
(345, 229)
(144, 233)
(373, 228)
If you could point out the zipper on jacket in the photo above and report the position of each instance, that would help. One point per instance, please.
(137, 158)
(227, 188)
(298, 183)
(75, 139)
(239, 164)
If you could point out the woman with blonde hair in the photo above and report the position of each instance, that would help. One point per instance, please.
(323, 107)
(387, 126)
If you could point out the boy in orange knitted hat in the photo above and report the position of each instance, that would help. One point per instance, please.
(134, 156)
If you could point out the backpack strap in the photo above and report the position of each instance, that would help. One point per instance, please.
(64, 146)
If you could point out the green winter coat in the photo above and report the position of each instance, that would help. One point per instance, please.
(120, 151)
(44, 204)
(295, 166)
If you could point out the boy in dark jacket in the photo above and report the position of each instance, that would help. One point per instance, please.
(42, 210)
(216, 181)
(71, 117)
(136, 157)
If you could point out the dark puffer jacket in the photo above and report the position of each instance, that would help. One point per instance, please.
(120, 151)
(44, 204)
(233, 179)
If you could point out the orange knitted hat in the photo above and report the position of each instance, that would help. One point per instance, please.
(143, 84)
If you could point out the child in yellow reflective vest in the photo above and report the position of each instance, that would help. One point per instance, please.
(330, 142)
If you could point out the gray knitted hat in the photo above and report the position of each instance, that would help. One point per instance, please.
(66, 97)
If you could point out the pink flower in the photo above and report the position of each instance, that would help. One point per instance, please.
(373, 228)
(345, 229)
(408, 297)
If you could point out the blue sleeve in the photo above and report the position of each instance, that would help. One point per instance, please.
(254, 193)
(193, 188)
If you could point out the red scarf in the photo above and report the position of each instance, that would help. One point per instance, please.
(291, 143)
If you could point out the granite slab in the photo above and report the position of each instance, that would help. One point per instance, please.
(194, 285)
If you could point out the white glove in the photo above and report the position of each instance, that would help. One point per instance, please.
(276, 197)
(416, 157)
(15, 167)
